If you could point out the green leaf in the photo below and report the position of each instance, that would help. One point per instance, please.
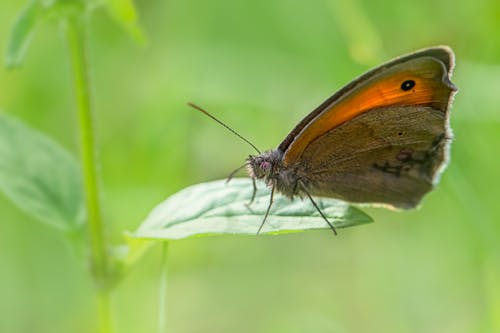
(124, 13)
(20, 34)
(39, 176)
(221, 208)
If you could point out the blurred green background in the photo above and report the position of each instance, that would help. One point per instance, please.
(260, 66)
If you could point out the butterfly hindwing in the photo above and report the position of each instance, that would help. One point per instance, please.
(394, 164)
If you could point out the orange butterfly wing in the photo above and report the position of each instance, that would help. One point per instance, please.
(419, 79)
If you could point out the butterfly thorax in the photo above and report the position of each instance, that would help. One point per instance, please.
(269, 167)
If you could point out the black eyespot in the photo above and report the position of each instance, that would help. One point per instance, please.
(407, 85)
(400, 133)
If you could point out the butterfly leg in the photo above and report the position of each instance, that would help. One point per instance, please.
(317, 208)
(253, 193)
(231, 175)
(295, 188)
(267, 211)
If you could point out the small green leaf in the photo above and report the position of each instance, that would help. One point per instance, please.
(221, 208)
(39, 176)
(124, 13)
(130, 253)
(20, 34)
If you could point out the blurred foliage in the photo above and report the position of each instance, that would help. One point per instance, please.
(40, 177)
(260, 66)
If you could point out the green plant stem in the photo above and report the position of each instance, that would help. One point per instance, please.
(162, 293)
(104, 311)
(76, 38)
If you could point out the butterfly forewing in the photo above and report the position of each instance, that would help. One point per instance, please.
(384, 138)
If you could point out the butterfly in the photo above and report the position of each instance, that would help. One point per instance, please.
(382, 139)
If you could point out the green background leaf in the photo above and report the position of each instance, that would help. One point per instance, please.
(124, 13)
(39, 176)
(221, 208)
(20, 34)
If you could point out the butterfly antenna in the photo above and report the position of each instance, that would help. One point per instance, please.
(220, 122)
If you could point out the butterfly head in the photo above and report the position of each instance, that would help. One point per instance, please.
(263, 165)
